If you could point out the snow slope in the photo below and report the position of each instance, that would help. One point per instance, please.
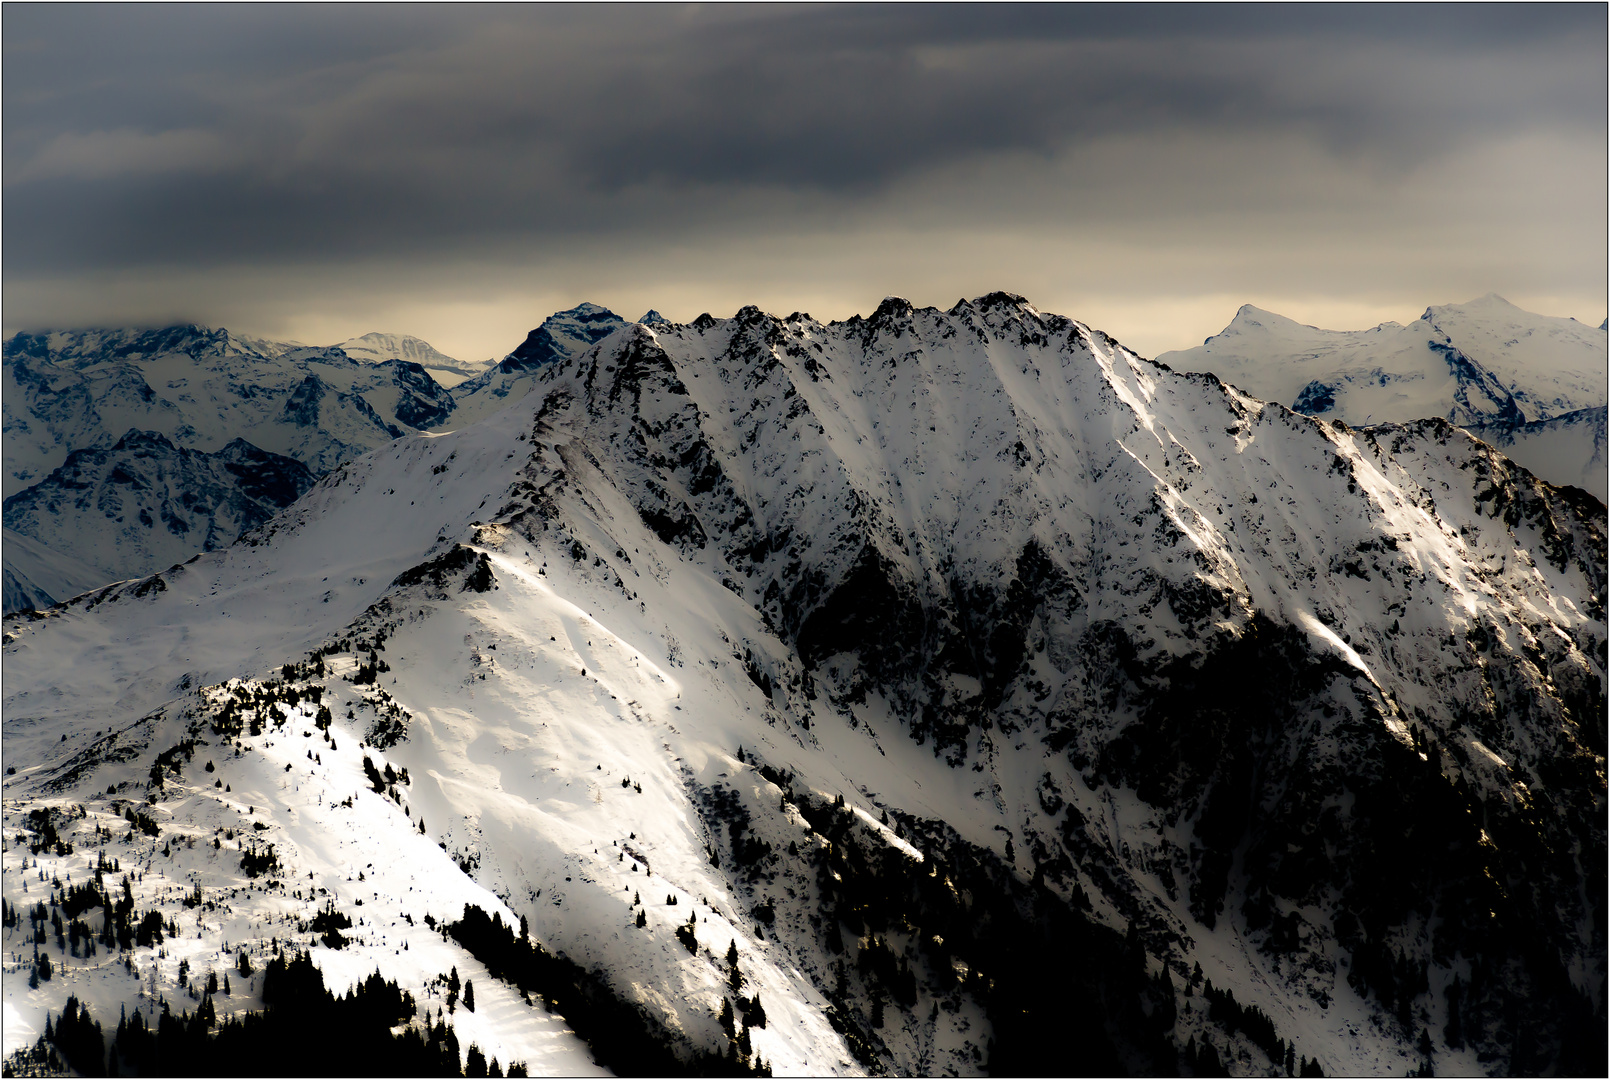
(1552, 365)
(37, 577)
(1127, 681)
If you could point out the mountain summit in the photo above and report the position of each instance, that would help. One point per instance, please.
(376, 348)
(561, 334)
(925, 692)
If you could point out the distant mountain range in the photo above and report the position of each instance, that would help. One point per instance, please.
(112, 436)
(144, 502)
(1533, 384)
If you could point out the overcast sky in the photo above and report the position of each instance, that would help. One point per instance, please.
(316, 172)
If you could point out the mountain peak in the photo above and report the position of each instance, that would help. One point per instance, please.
(562, 334)
(378, 346)
(892, 307)
(1252, 315)
(583, 312)
(654, 318)
(1487, 304)
(1000, 299)
(136, 439)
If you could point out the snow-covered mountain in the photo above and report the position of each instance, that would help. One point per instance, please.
(197, 391)
(964, 688)
(377, 348)
(1486, 365)
(1482, 362)
(201, 390)
(144, 504)
(562, 334)
(1551, 365)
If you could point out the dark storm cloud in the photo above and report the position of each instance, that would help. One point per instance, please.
(195, 135)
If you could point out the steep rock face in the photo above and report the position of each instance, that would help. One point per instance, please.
(421, 402)
(561, 335)
(144, 503)
(985, 685)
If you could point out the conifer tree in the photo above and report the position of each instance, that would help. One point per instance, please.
(469, 995)
(1453, 1035)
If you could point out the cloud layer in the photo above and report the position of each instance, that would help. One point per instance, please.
(496, 157)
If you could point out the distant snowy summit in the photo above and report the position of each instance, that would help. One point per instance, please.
(1486, 365)
(377, 348)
